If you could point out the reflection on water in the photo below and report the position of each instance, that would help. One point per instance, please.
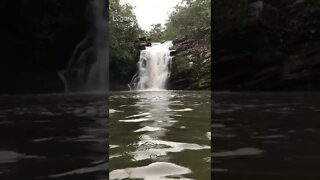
(154, 171)
(266, 136)
(160, 135)
(53, 137)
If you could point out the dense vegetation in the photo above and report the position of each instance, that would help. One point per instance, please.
(123, 34)
(189, 18)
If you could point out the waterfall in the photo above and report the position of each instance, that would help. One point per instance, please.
(87, 69)
(153, 68)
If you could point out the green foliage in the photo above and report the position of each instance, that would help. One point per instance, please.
(156, 32)
(123, 31)
(182, 63)
(190, 18)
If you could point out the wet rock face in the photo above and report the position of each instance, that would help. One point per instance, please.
(191, 64)
(142, 42)
(275, 48)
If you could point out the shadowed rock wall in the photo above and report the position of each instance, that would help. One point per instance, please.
(266, 45)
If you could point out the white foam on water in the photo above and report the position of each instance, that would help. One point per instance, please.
(180, 110)
(112, 111)
(138, 115)
(150, 129)
(113, 146)
(135, 120)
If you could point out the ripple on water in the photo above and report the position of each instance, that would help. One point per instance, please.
(134, 120)
(150, 119)
(154, 171)
(113, 146)
(112, 111)
(138, 115)
(180, 110)
(150, 129)
(220, 170)
(42, 139)
(6, 122)
(239, 152)
(148, 148)
(11, 157)
(208, 134)
(276, 136)
(97, 168)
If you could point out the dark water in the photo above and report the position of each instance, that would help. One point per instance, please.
(160, 135)
(53, 137)
(266, 136)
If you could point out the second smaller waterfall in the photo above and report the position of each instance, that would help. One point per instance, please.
(153, 68)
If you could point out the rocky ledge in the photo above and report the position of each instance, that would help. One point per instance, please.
(191, 67)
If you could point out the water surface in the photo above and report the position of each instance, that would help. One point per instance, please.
(266, 136)
(54, 137)
(160, 135)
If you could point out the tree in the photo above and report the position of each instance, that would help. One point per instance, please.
(123, 32)
(156, 32)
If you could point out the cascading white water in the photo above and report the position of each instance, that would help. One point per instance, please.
(153, 68)
(97, 76)
(87, 69)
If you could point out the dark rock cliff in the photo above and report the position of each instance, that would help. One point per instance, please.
(266, 45)
(191, 64)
